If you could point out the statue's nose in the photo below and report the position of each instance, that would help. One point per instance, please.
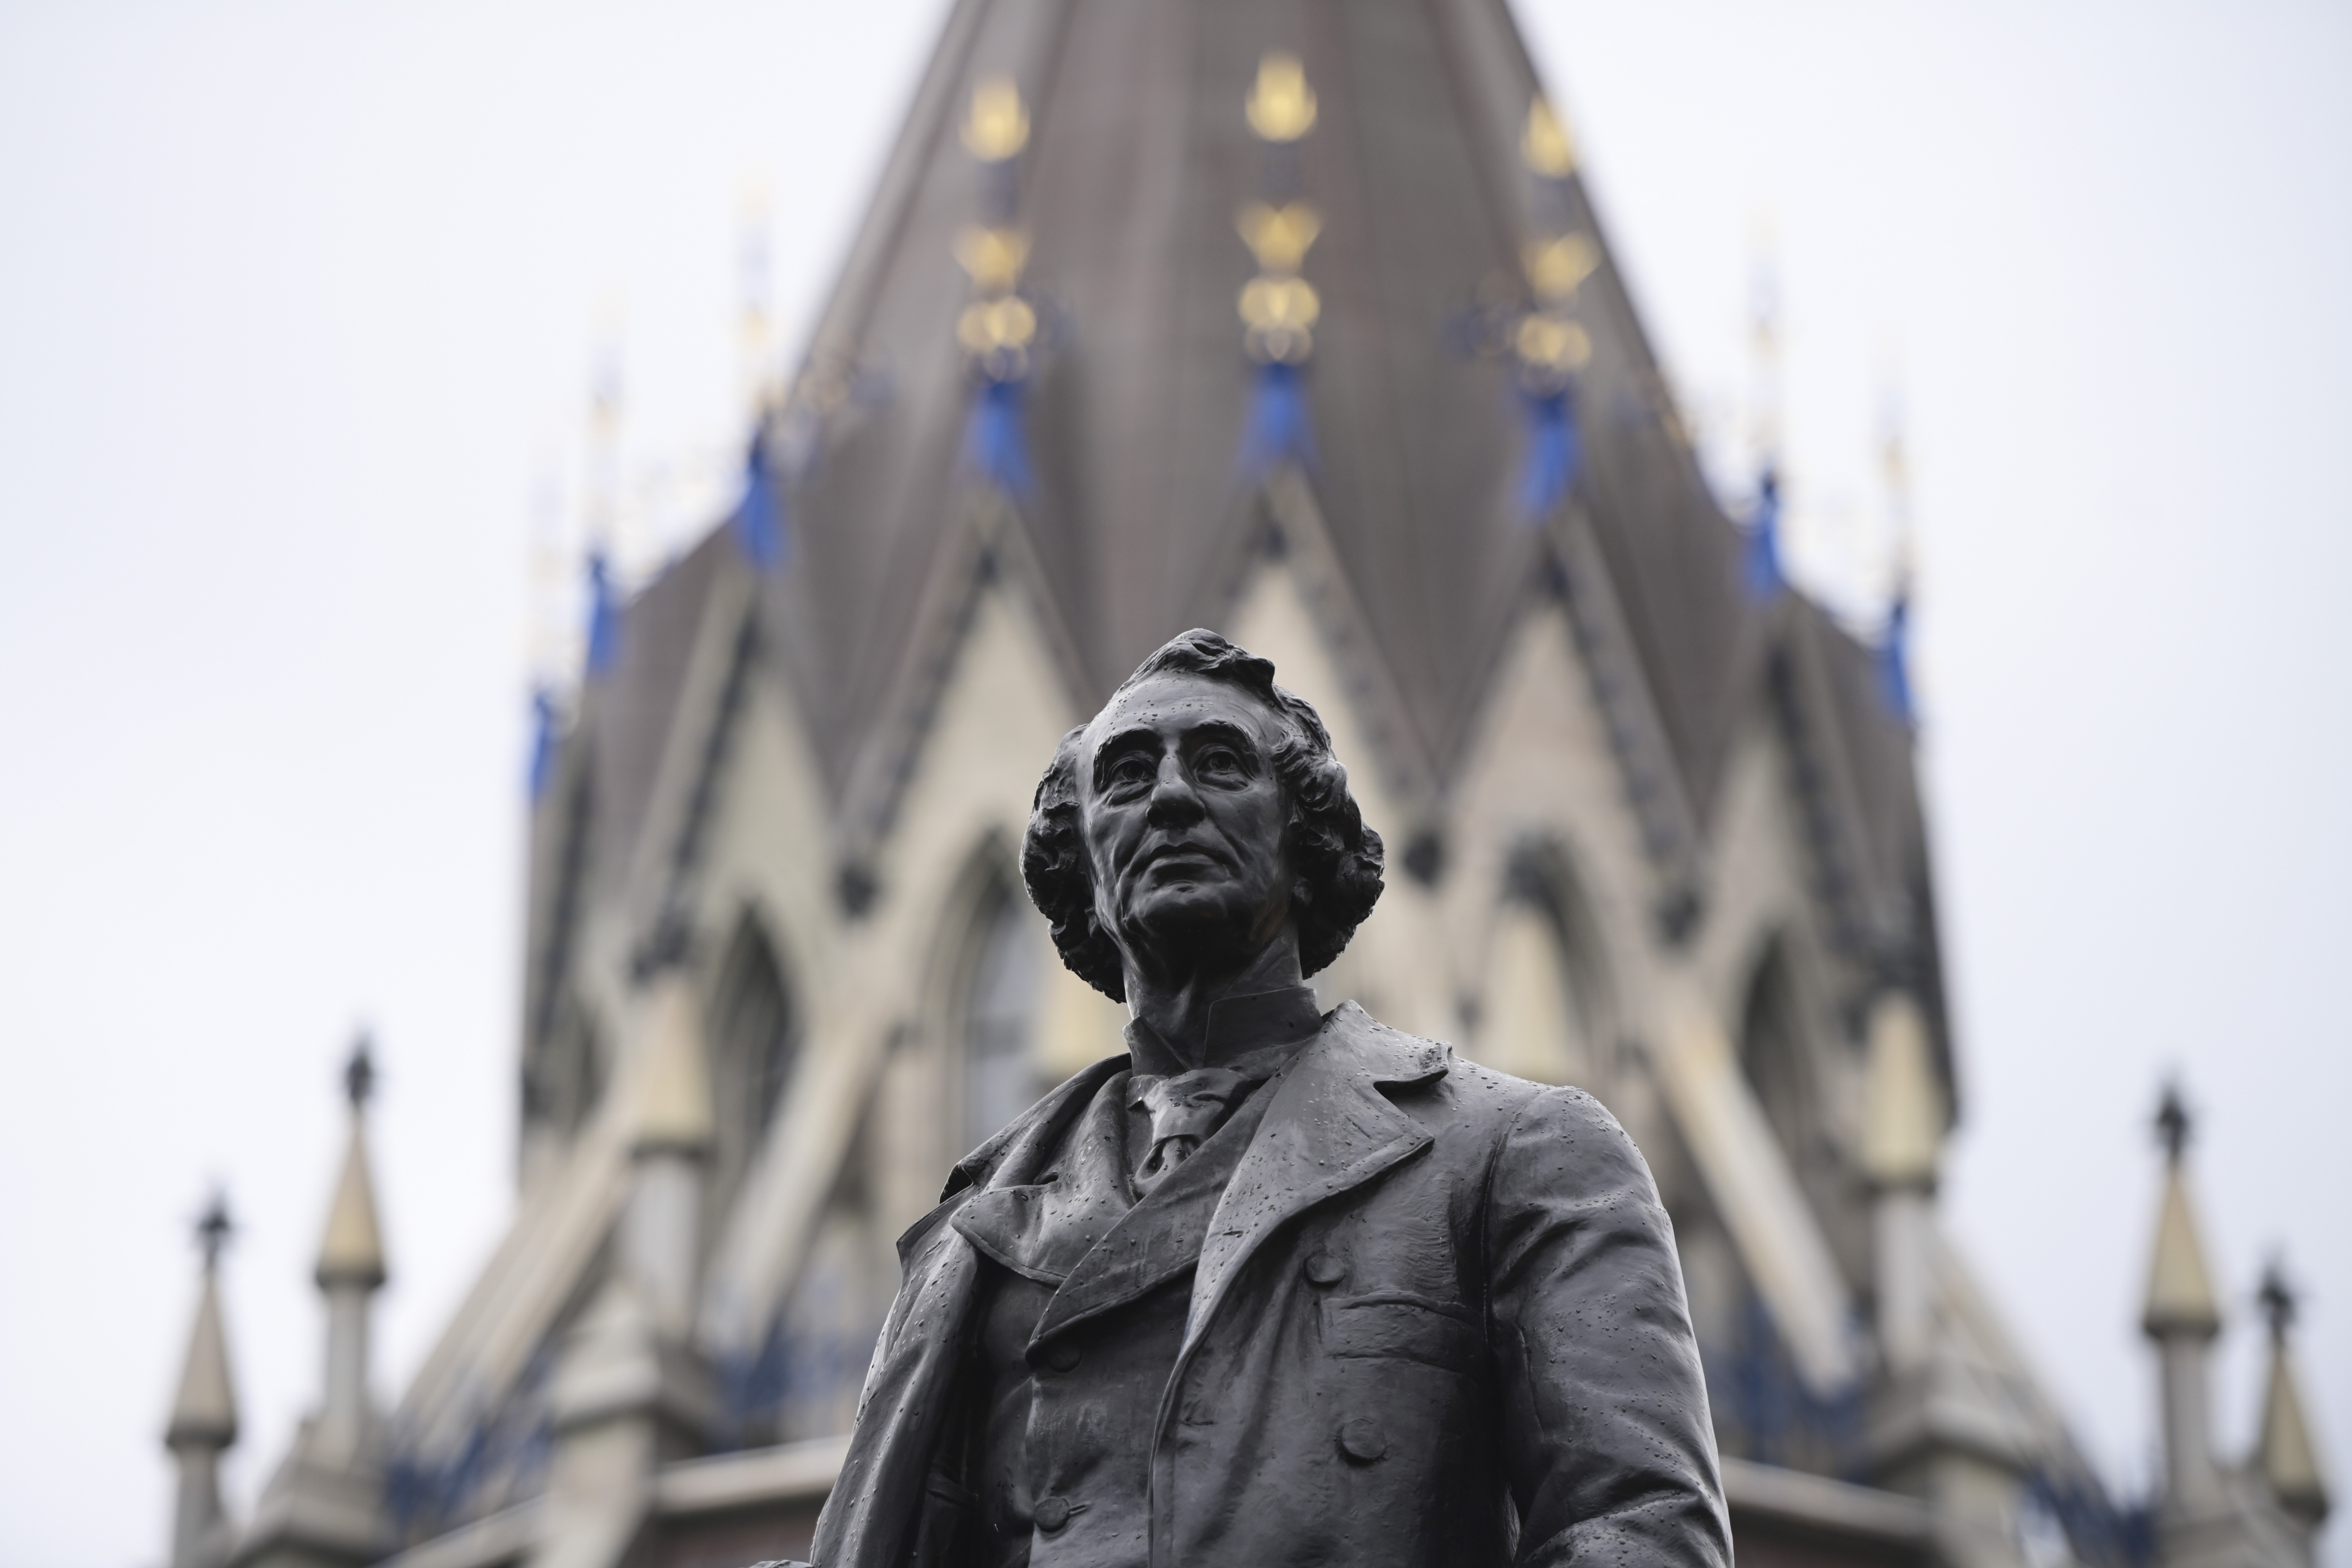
(1174, 802)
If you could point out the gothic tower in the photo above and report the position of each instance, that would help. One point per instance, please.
(1289, 318)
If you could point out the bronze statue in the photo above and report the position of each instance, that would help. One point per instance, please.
(1280, 1287)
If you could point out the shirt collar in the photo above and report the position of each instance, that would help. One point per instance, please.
(1252, 1035)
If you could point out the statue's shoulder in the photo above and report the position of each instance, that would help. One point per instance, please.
(1451, 1086)
(1463, 1091)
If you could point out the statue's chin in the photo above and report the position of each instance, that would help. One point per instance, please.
(1183, 927)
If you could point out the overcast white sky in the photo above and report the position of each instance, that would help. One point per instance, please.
(298, 310)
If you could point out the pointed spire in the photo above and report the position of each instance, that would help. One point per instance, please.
(203, 1413)
(2181, 1299)
(2285, 1454)
(351, 1250)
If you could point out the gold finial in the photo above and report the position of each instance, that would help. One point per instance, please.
(994, 257)
(1281, 104)
(1553, 343)
(1546, 144)
(1280, 313)
(1555, 267)
(995, 326)
(999, 126)
(1279, 237)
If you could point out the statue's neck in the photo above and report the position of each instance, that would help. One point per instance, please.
(1175, 1007)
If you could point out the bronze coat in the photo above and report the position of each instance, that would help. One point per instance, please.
(1437, 1319)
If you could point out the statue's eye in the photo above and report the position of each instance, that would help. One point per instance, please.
(1222, 764)
(1130, 773)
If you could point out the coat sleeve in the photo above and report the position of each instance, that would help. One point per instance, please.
(1606, 1436)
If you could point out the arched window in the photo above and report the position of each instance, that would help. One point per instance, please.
(1771, 1054)
(999, 1076)
(754, 1042)
(1534, 1024)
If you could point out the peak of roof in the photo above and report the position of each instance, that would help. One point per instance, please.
(1140, 153)
(1425, 209)
(351, 1250)
(2181, 1299)
(204, 1411)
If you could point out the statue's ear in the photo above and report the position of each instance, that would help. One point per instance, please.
(1302, 892)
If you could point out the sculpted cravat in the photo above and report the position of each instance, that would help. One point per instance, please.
(1185, 1109)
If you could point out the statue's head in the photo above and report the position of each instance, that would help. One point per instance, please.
(1201, 815)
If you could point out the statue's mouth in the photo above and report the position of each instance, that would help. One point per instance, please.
(1180, 857)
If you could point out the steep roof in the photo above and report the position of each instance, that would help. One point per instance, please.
(204, 1407)
(2180, 1297)
(1140, 522)
(351, 1250)
(1139, 158)
(2284, 1450)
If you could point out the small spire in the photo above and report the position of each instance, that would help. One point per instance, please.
(352, 1251)
(2285, 1454)
(203, 1412)
(2180, 1297)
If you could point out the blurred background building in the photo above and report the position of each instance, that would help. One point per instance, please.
(1296, 323)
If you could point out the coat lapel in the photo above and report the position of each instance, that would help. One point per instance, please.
(1160, 1237)
(1042, 1230)
(1328, 1128)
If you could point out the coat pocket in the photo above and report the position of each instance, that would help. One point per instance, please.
(1402, 1328)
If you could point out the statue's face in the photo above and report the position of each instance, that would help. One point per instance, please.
(1183, 819)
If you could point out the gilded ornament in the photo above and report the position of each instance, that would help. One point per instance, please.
(990, 326)
(1280, 313)
(994, 257)
(1557, 266)
(1279, 235)
(1281, 104)
(999, 126)
(1553, 343)
(1546, 144)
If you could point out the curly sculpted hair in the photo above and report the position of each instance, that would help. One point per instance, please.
(1339, 859)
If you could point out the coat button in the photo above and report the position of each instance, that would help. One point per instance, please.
(1052, 1513)
(1362, 1440)
(1061, 1355)
(1323, 1269)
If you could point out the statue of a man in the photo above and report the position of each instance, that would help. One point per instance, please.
(1278, 1287)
